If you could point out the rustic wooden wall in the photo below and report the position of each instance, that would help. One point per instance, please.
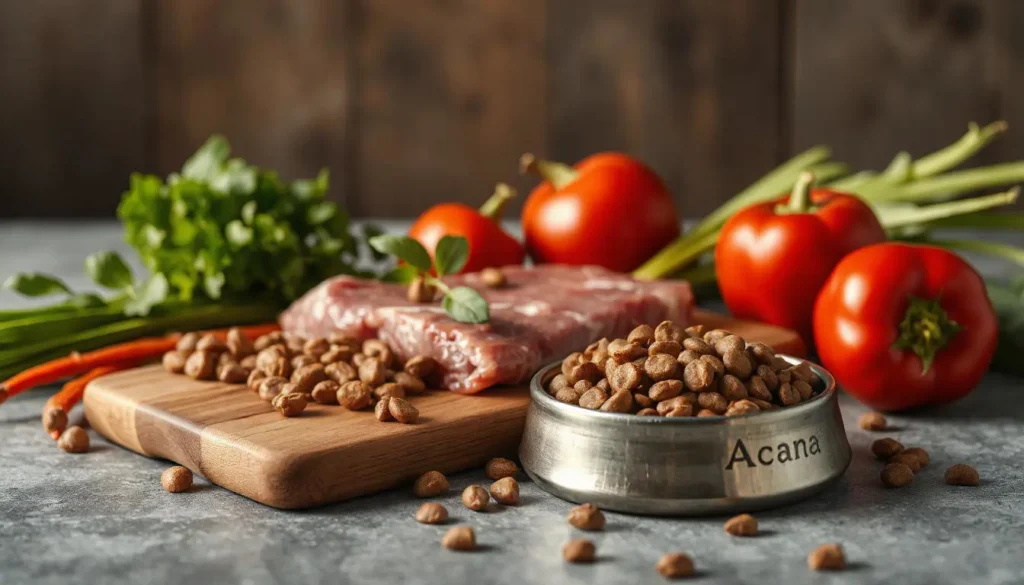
(414, 102)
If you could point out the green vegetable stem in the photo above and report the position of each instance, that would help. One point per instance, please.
(460, 303)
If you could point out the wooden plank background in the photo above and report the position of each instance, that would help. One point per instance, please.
(412, 103)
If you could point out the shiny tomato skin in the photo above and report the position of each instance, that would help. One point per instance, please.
(489, 245)
(770, 266)
(859, 311)
(617, 213)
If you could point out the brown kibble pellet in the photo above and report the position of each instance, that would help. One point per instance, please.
(232, 373)
(587, 517)
(647, 412)
(390, 389)
(571, 361)
(896, 475)
(675, 566)
(74, 440)
(354, 395)
(579, 551)
(625, 377)
(333, 356)
(430, 484)
(762, 353)
(671, 348)
(403, 410)
(714, 335)
(768, 377)
(225, 359)
(505, 491)
(803, 389)
(372, 371)
(411, 384)
(669, 331)
(872, 421)
(341, 372)
(665, 390)
(493, 277)
(326, 392)
(788, 395)
(593, 399)
(238, 343)
(568, 396)
(687, 356)
(254, 379)
(886, 448)
(713, 401)
(586, 371)
(432, 513)
(763, 404)
(55, 419)
(187, 342)
(757, 388)
(920, 454)
(248, 362)
(706, 413)
(201, 365)
(306, 377)
(210, 343)
(642, 334)
(618, 402)
(717, 366)
(421, 366)
(742, 525)
(729, 344)
(500, 468)
(962, 474)
(698, 375)
(661, 367)
(741, 407)
(680, 411)
(174, 361)
(176, 479)
(279, 367)
(698, 346)
(475, 498)
(909, 460)
(737, 363)
(381, 410)
(459, 538)
(291, 404)
(270, 387)
(827, 557)
(623, 351)
(732, 388)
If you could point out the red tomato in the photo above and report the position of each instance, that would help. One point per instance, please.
(609, 210)
(771, 261)
(489, 245)
(901, 326)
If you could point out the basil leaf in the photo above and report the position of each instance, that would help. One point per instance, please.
(466, 305)
(34, 284)
(451, 254)
(109, 270)
(152, 293)
(403, 274)
(369, 232)
(404, 248)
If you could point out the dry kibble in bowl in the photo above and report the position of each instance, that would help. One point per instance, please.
(579, 551)
(499, 468)
(475, 498)
(872, 421)
(505, 491)
(675, 566)
(430, 484)
(460, 538)
(962, 474)
(176, 479)
(587, 517)
(827, 557)
(432, 513)
(742, 525)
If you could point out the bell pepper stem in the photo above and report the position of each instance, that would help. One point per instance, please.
(493, 207)
(926, 329)
(559, 174)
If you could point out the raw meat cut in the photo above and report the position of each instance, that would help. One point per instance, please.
(543, 313)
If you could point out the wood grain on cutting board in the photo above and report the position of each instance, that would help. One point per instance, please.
(328, 454)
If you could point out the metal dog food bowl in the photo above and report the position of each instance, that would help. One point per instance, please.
(684, 466)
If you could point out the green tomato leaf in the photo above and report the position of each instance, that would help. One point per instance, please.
(451, 254)
(466, 305)
(34, 284)
(403, 274)
(152, 293)
(404, 248)
(109, 270)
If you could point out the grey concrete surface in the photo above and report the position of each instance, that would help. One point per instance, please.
(102, 518)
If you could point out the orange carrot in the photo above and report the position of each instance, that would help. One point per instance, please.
(57, 407)
(132, 352)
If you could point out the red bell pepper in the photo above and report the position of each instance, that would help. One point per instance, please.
(773, 258)
(489, 245)
(609, 210)
(902, 326)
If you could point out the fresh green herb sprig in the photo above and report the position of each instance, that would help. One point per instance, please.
(460, 303)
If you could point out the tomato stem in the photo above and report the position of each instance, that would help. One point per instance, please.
(926, 329)
(559, 174)
(493, 207)
(799, 197)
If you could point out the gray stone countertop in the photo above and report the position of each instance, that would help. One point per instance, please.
(103, 518)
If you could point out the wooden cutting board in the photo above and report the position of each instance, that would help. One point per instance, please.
(328, 454)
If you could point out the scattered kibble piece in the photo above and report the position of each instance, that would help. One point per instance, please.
(909, 460)
(55, 420)
(432, 513)
(579, 551)
(505, 491)
(381, 410)
(430, 484)
(460, 538)
(827, 557)
(920, 454)
(885, 448)
(675, 566)
(176, 479)
(492, 277)
(403, 410)
(742, 525)
(587, 517)
(475, 498)
(291, 404)
(500, 467)
(897, 475)
(962, 474)
(74, 440)
(872, 421)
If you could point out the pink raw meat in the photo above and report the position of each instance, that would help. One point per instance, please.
(544, 313)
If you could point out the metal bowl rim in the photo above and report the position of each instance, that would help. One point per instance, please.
(539, 395)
